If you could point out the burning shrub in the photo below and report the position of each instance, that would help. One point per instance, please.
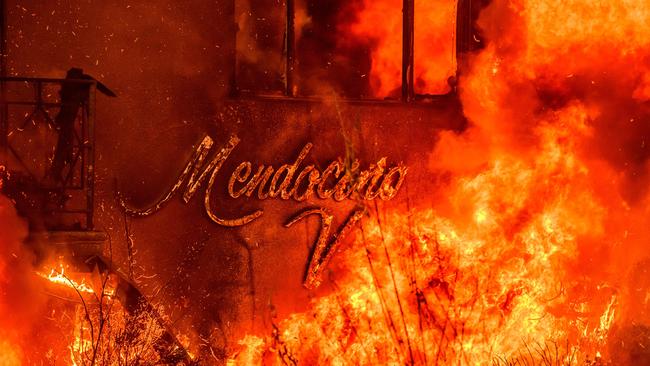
(534, 237)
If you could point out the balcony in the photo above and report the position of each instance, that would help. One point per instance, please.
(31, 114)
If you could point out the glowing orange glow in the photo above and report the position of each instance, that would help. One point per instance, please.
(9, 356)
(58, 276)
(531, 240)
(434, 44)
(530, 244)
(429, 287)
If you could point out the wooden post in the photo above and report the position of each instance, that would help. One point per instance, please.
(88, 148)
(408, 25)
(290, 49)
(464, 33)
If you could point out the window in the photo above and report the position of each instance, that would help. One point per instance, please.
(357, 49)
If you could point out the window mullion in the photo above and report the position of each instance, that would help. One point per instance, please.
(408, 22)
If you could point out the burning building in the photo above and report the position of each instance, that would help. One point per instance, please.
(445, 182)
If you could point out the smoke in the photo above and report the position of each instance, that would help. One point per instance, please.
(541, 231)
(434, 42)
(543, 57)
(568, 80)
(560, 94)
(20, 296)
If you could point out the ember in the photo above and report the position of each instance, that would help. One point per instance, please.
(406, 182)
(510, 266)
(423, 288)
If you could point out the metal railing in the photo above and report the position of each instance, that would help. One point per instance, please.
(28, 108)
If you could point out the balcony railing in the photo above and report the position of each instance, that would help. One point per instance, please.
(29, 137)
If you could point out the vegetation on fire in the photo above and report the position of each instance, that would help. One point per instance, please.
(105, 333)
(524, 257)
(470, 282)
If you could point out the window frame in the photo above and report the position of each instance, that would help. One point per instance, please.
(465, 42)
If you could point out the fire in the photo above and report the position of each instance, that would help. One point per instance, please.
(9, 356)
(19, 302)
(533, 250)
(423, 287)
(99, 329)
(58, 276)
(434, 44)
(60, 316)
(526, 254)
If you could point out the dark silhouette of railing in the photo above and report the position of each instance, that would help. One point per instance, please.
(33, 103)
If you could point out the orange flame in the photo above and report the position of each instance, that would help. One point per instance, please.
(9, 355)
(530, 244)
(422, 287)
(59, 277)
(434, 44)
